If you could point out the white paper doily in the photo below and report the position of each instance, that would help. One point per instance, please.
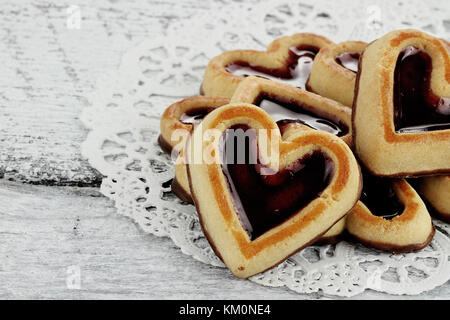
(123, 119)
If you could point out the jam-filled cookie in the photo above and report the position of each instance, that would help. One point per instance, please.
(333, 73)
(401, 111)
(257, 212)
(435, 191)
(176, 124)
(446, 44)
(390, 216)
(334, 234)
(287, 106)
(181, 116)
(287, 59)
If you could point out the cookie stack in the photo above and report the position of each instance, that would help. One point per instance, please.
(311, 141)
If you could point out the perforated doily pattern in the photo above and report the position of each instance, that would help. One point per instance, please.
(123, 119)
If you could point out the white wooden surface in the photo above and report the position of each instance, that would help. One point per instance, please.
(53, 220)
(47, 231)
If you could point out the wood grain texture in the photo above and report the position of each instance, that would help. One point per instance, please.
(49, 69)
(47, 230)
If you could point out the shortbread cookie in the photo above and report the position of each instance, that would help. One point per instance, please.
(176, 123)
(334, 234)
(435, 191)
(333, 73)
(286, 105)
(181, 116)
(254, 221)
(390, 216)
(401, 112)
(446, 44)
(287, 59)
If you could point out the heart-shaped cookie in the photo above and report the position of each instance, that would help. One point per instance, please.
(257, 213)
(181, 116)
(435, 191)
(287, 59)
(390, 216)
(401, 111)
(176, 125)
(446, 44)
(333, 73)
(286, 105)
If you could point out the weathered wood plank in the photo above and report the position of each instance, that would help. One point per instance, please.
(48, 232)
(48, 70)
